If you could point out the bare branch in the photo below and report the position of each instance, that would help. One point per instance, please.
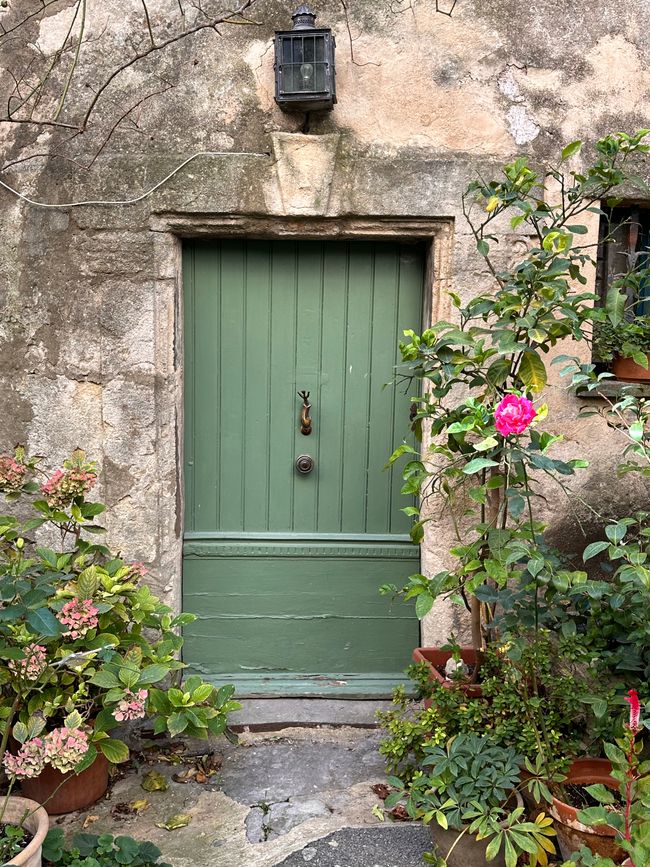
(348, 28)
(8, 30)
(75, 60)
(442, 11)
(226, 18)
(123, 117)
(148, 20)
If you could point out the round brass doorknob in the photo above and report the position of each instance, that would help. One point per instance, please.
(304, 464)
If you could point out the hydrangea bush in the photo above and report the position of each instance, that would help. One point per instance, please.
(84, 643)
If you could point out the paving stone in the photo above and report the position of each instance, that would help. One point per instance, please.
(282, 817)
(275, 770)
(387, 846)
(256, 825)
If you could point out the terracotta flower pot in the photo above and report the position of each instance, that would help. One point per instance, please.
(36, 823)
(436, 659)
(76, 791)
(627, 370)
(571, 833)
(468, 852)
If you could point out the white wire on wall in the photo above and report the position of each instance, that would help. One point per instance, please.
(143, 195)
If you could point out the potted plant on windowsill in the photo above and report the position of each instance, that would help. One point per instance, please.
(84, 645)
(622, 331)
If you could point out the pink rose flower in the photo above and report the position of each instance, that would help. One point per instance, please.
(513, 414)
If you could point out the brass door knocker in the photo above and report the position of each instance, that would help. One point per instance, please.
(305, 420)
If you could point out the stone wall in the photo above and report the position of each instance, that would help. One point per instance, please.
(90, 295)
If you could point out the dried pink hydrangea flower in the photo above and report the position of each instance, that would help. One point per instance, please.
(66, 485)
(131, 706)
(28, 762)
(137, 570)
(12, 474)
(513, 414)
(65, 748)
(79, 615)
(33, 665)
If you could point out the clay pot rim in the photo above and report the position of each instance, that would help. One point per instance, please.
(468, 654)
(38, 818)
(585, 771)
(629, 370)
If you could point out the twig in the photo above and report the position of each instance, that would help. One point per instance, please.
(442, 11)
(75, 60)
(148, 20)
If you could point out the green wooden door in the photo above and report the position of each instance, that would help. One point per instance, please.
(283, 569)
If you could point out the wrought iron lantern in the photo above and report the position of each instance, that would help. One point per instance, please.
(304, 65)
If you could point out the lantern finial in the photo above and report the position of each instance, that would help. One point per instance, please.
(303, 18)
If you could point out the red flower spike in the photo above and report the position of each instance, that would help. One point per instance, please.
(635, 710)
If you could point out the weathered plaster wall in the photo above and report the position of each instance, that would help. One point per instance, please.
(89, 297)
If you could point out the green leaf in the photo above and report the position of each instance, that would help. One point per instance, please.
(483, 247)
(636, 431)
(616, 532)
(493, 847)
(423, 604)
(177, 723)
(48, 555)
(532, 370)
(601, 793)
(477, 464)
(499, 371)
(615, 305)
(129, 677)
(88, 582)
(202, 693)
(105, 679)
(487, 443)
(571, 149)
(127, 850)
(21, 732)
(114, 750)
(43, 622)
(593, 549)
(87, 760)
(152, 674)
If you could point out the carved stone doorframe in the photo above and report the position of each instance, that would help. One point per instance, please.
(169, 230)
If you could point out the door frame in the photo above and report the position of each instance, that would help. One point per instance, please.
(169, 230)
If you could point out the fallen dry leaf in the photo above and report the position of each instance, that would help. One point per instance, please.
(185, 776)
(399, 814)
(381, 790)
(140, 806)
(182, 820)
(154, 782)
(88, 821)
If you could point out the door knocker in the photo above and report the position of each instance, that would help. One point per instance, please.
(305, 419)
